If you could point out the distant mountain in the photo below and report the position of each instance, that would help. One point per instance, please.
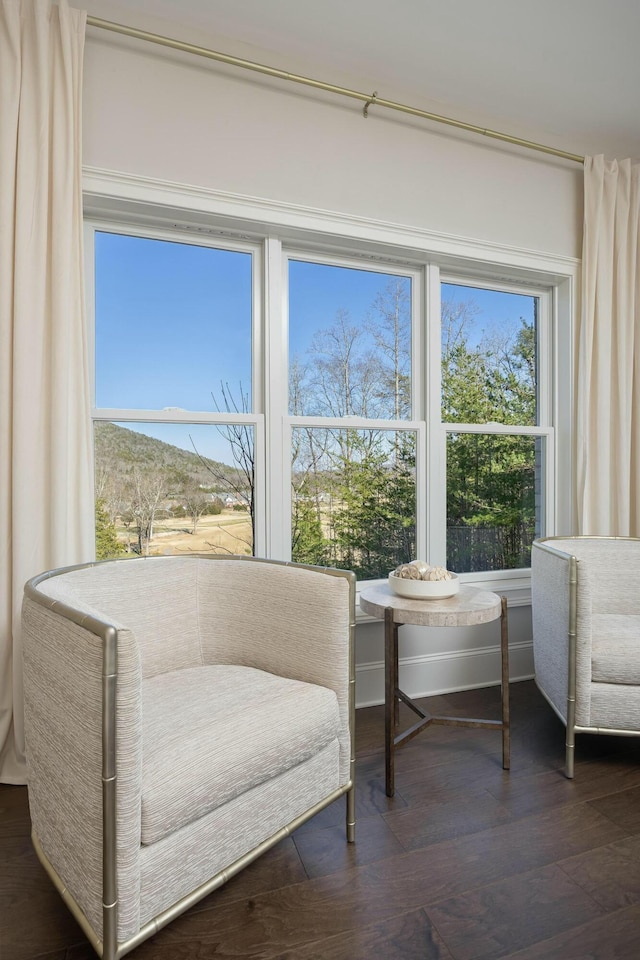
(119, 450)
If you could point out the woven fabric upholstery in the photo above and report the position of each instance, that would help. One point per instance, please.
(212, 733)
(173, 867)
(262, 625)
(550, 618)
(584, 616)
(156, 599)
(608, 592)
(615, 653)
(615, 706)
(63, 731)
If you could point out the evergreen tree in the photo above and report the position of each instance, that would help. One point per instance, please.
(107, 544)
(490, 478)
(374, 520)
(308, 544)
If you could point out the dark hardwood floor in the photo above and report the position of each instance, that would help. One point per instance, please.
(466, 862)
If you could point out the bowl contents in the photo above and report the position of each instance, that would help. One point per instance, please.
(421, 570)
(421, 581)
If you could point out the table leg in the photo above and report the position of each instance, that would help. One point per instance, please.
(390, 700)
(396, 674)
(504, 653)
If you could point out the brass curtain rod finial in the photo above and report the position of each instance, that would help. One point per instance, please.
(365, 109)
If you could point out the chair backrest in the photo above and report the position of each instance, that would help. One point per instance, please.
(155, 598)
(189, 611)
(608, 572)
(274, 604)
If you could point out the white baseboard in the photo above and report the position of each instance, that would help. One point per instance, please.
(427, 676)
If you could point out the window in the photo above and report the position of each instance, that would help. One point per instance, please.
(174, 432)
(350, 359)
(493, 408)
(350, 410)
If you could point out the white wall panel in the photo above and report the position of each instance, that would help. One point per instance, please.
(181, 119)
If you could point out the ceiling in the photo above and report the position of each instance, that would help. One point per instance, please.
(565, 73)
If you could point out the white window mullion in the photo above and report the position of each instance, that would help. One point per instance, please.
(422, 498)
(258, 390)
(90, 302)
(565, 519)
(277, 467)
(498, 429)
(545, 365)
(259, 480)
(436, 477)
(174, 416)
(549, 479)
(546, 413)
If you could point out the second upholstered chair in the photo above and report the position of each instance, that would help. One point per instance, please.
(586, 633)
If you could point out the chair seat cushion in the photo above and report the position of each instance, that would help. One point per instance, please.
(212, 732)
(615, 651)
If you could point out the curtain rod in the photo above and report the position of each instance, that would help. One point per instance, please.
(369, 99)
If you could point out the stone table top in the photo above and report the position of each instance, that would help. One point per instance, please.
(468, 607)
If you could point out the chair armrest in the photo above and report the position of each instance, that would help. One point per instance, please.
(63, 689)
(607, 578)
(550, 614)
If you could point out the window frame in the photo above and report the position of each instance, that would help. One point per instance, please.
(544, 429)
(255, 418)
(414, 424)
(269, 232)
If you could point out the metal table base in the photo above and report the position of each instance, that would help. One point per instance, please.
(479, 606)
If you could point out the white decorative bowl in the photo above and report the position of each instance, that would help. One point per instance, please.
(425, 589)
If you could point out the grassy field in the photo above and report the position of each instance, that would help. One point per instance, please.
(228, 532)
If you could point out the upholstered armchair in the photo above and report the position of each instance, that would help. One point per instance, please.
(586, 633)
(182, 715)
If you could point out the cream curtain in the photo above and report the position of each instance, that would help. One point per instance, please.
(608, 353)
(46, 512)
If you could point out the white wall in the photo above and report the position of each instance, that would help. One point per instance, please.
(167, 117)
(184, 120)
(442, 659)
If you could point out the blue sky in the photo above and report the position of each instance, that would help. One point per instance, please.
(497, 311)
(173, 320)
(317, 292)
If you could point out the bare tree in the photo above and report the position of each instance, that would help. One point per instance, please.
(108, 491)
(457, 318)
(195, 502)
(145, 495)
(240, 482)
(345, 373)
(389, 324)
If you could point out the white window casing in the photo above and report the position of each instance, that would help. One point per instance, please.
(272, 234)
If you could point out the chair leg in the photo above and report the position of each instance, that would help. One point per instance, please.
(351, 814)
(570, 752)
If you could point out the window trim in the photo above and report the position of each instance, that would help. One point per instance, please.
(254, 418)
(545, 428)
(121, 203)
(414, 424)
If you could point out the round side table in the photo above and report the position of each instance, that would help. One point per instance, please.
(469, 607)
